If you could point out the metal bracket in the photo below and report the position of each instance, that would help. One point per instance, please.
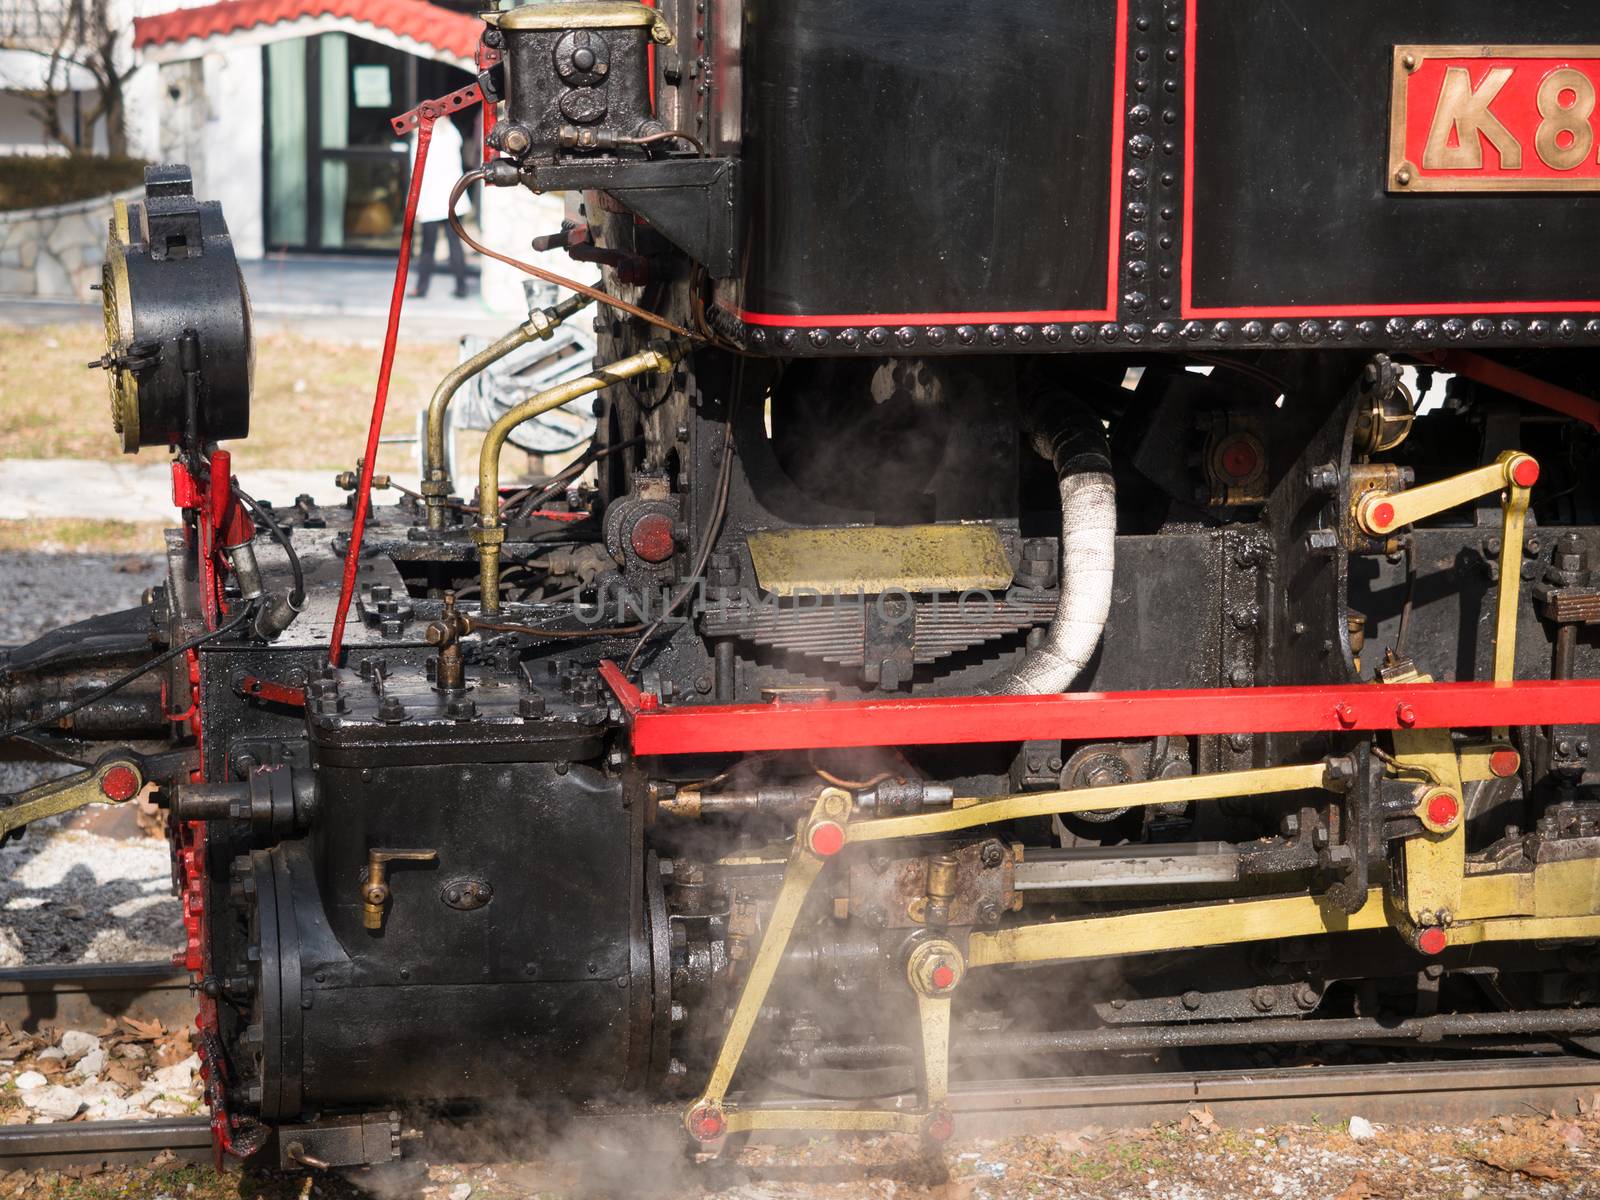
(432, 110)
(692, 202)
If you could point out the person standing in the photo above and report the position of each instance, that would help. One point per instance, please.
(433, 207)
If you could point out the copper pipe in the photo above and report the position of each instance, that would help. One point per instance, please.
(572, 285)
(541, 323)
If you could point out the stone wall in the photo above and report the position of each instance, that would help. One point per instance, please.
(55, 253)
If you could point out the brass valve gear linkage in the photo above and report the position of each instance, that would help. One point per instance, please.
(1442, 904)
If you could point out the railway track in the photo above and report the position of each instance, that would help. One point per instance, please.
(1443, 1092)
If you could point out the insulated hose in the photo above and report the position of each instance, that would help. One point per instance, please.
(1068, 433)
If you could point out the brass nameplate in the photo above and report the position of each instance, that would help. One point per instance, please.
(1494, 119)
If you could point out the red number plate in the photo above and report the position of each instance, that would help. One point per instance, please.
(1494, 119)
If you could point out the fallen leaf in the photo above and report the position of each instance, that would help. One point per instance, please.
(1532, 1168)
(147, 1030)
(1539, 1170)
(1203, 1117)
(1075, 1141)
(174, 1048)
(126, 1076)
(1359, 1188)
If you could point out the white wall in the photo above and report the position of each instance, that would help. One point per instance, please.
(21, 132)
(233, 147)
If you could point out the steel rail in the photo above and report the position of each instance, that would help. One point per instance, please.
(83, 995)
(1434, 1092)
(103, 1143)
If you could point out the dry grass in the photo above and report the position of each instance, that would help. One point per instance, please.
(78, 535)
(312, 398)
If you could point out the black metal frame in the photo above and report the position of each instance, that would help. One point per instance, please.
(316, 153)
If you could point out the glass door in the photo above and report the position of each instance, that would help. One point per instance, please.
(336, 175)
(362, 168)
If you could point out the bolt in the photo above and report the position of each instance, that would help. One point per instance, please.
(1322, 541)
(1264, 999)
(988, 912)
(1323, 478)
(1191, 1000)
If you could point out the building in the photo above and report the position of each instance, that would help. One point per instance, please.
(282, 107)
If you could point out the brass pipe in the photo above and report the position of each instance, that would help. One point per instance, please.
(660, 356)
(435, 479)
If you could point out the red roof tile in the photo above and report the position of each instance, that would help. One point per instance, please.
(452, 32)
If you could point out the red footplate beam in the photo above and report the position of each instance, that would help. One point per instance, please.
(1095, 716)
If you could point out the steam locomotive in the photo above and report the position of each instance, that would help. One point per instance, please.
(1090, 547)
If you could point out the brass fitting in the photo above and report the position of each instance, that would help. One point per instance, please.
(935, 967)
(941, 890)
(489, 539)
(375, 884)
(659, 357)
(446, 633)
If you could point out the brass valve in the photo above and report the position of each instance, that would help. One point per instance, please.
(941, 890)
(375, 885)
(446, 633)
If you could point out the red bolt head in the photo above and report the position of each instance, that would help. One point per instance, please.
(1443, 809)
(1382, 515)
(651, 537)
(706, 1123)
(119, 783)
(1504, 763)
(1525, 473)
(940, 1125)
(827, 838)
(943, 976)
(1432, 940)
(1405, 715)
(1346, 714)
